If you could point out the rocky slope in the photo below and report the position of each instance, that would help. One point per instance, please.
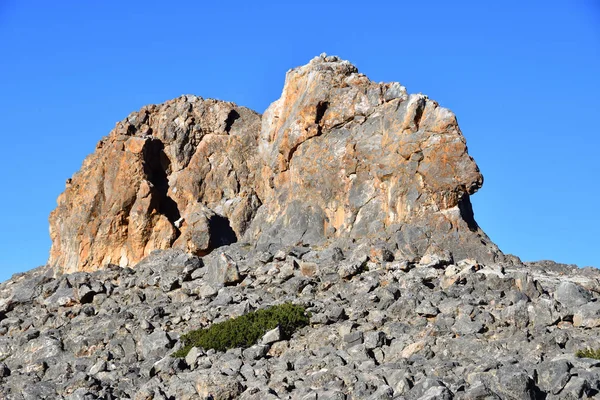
(336, 157)
(380, 328)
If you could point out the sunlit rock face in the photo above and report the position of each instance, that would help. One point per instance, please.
(346, 157)
(337, 157)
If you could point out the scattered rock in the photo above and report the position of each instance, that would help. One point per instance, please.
(218, 387)
(223, 270)
(572, 295)
(271, 336)
(308, 269)
(587, 315)
(383, 332)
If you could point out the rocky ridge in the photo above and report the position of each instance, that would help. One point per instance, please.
(380, 328)
(336, 158)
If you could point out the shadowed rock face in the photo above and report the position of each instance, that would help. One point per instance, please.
(337, 157)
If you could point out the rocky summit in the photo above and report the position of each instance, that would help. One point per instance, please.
(348, 199)
(336, 158)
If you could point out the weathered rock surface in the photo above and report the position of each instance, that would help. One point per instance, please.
(178, 174)
(337, 157)
(347, 157)
(387, 329)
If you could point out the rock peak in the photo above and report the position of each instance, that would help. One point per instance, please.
(336, 158)
(331, 63)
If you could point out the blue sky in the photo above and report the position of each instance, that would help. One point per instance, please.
(522, 78)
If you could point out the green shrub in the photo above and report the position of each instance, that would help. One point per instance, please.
(246, 330)
(588, 353)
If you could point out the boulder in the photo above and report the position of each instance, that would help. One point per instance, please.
(572, 295)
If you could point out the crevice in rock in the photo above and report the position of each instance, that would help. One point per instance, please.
(321, 109)
(419, 113)
(221, 232)
(156, 164)
(319, 113)
(291, 154)
(233, 115)
(466, 212)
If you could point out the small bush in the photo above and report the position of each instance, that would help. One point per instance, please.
(246, 330)
(588, 353)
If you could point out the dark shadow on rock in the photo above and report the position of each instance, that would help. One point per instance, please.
(221, 233)
(233, 115)
(321, 108)
(466, 211)
(156, 164)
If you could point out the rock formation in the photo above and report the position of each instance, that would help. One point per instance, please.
(168, 175)
(347, 197)
(336, 158)
(351, 158)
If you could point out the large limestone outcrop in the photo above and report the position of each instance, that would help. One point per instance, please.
(336, 157)
(347, 157)
(171, 175)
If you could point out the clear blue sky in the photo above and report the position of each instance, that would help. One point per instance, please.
(522, 77)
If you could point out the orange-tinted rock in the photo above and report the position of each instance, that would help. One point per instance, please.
(346, 157)
(161, 178)
(336, 157)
